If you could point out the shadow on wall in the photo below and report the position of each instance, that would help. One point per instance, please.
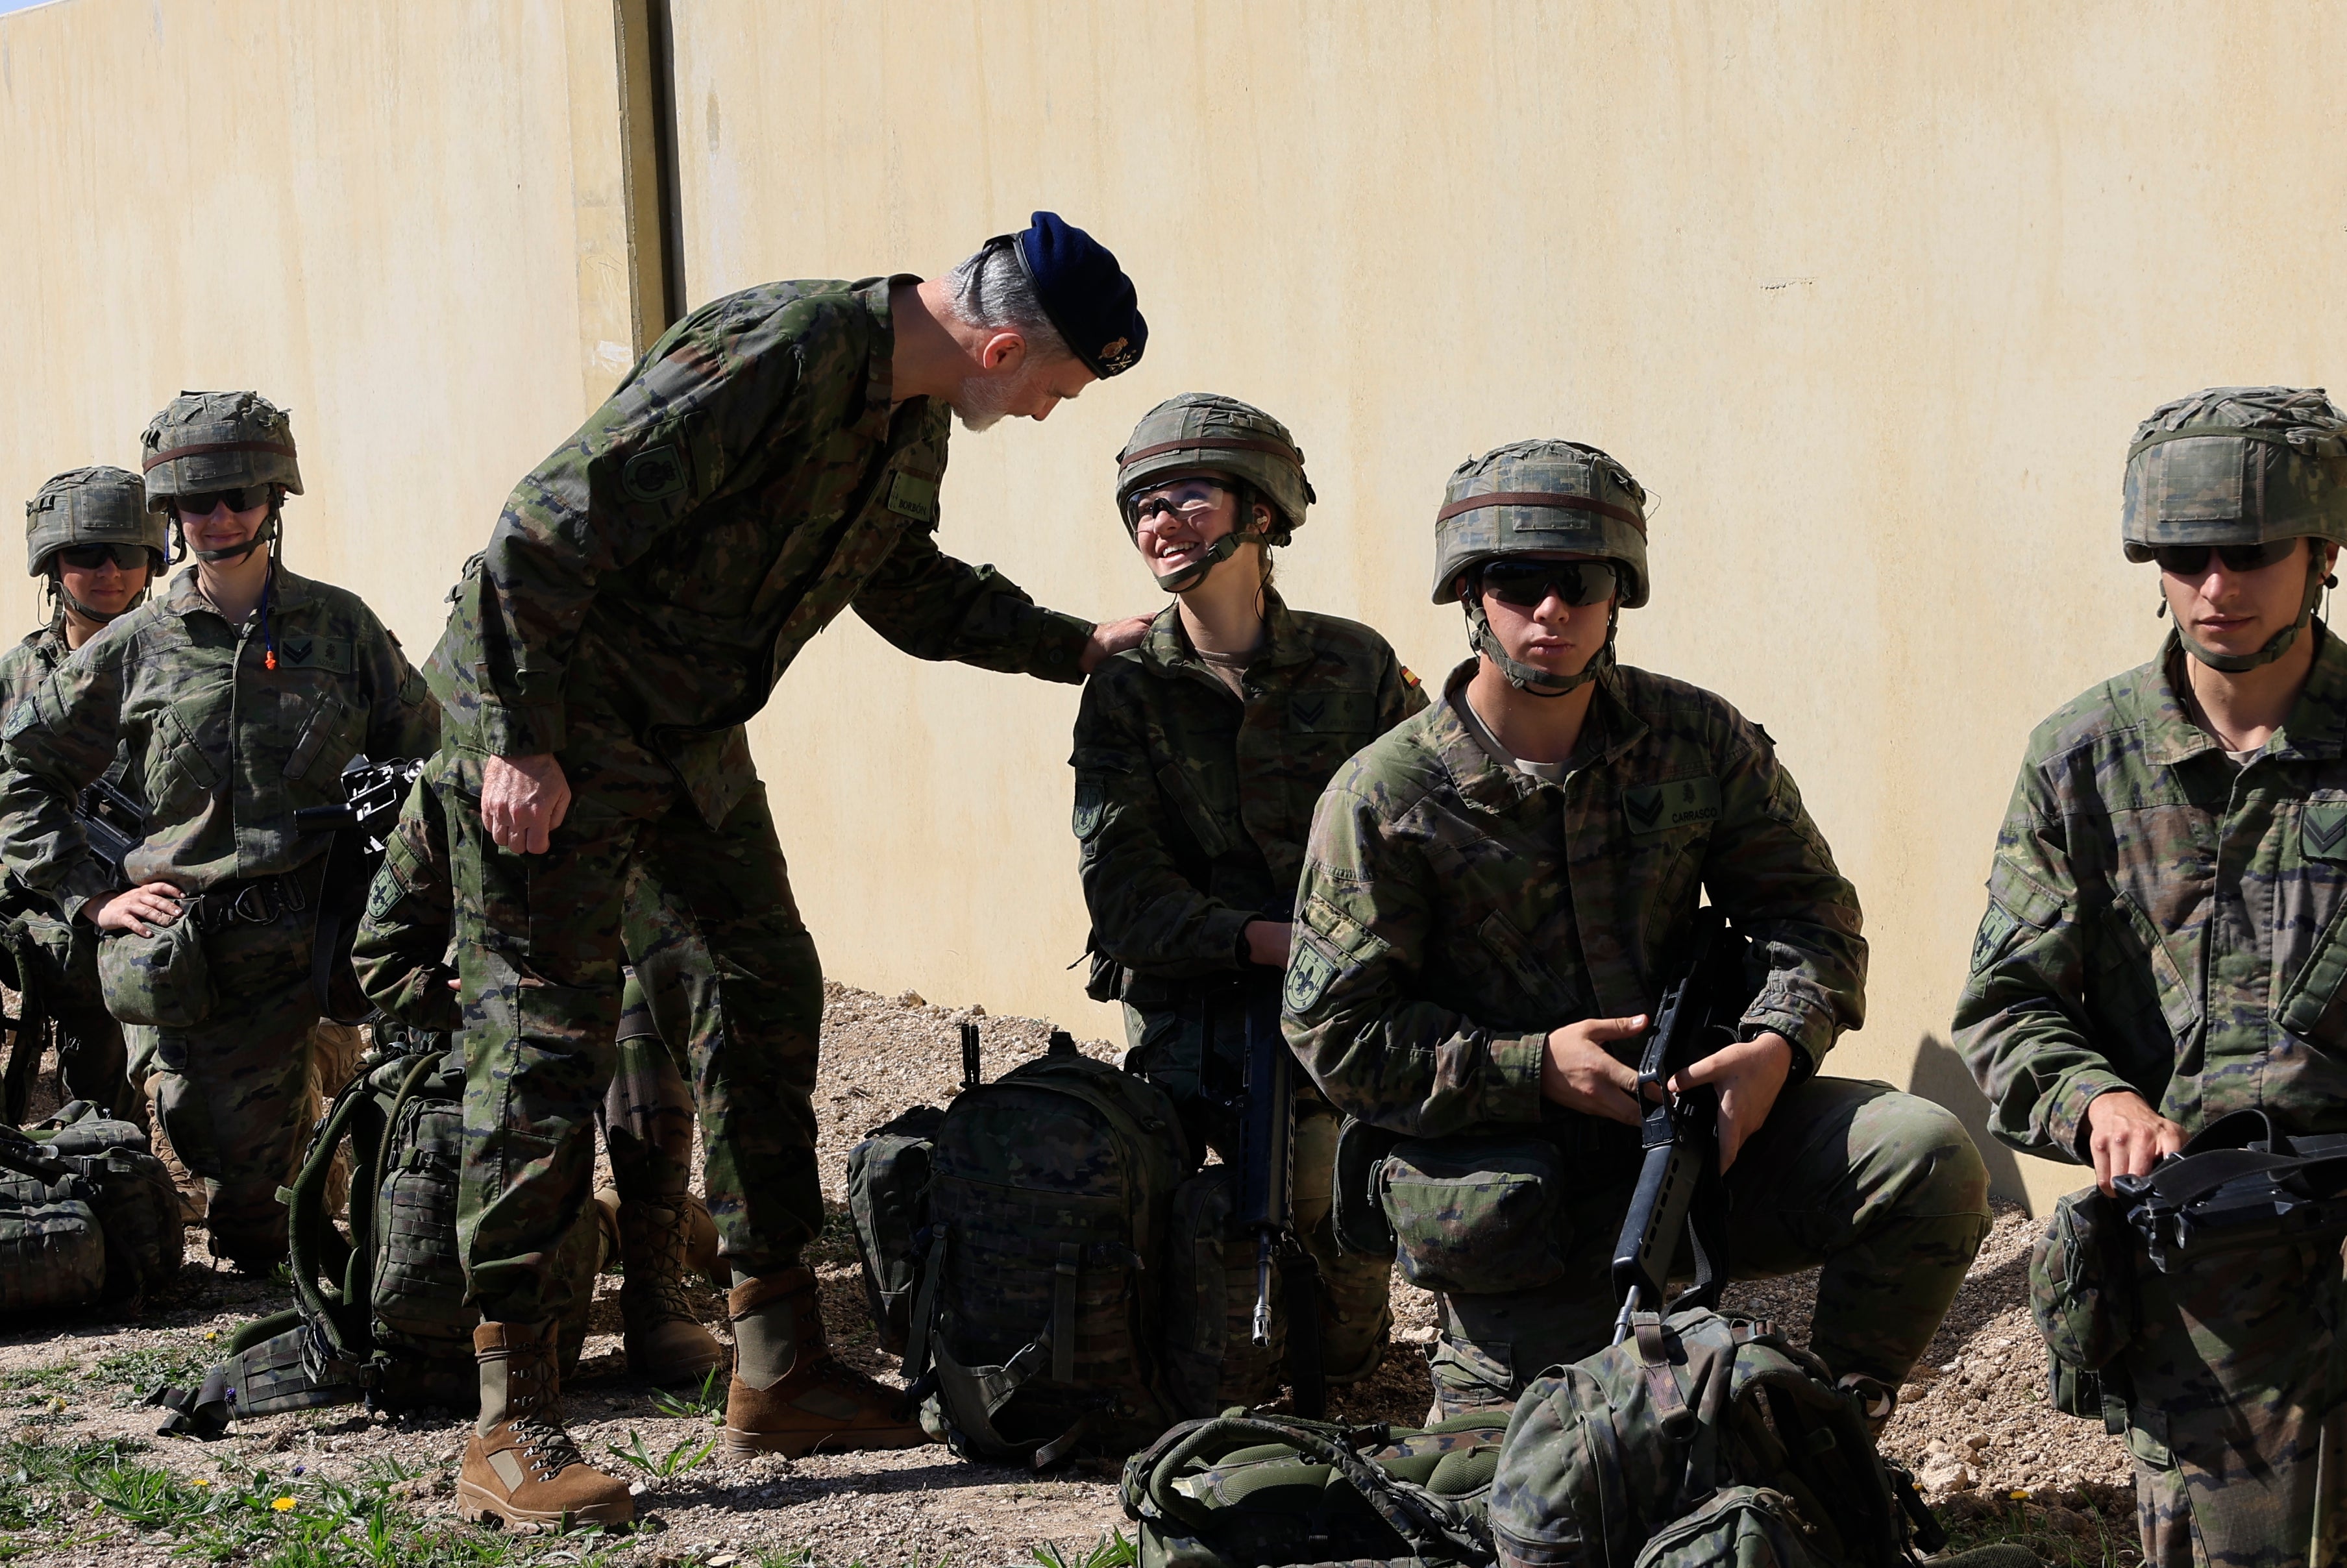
(1941, 1077)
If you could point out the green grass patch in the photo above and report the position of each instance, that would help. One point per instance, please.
(178, 1361)
(2078, 1527)
(704, 1403)
(1112, 1550)
(62, 1377)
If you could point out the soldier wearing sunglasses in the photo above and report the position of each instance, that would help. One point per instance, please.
(89, 534)
(237, 695)
(1495, 894)
(2166, 943)
(1198, 756)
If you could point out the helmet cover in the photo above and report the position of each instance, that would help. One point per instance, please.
(1542, 495)
(216, 441)
(95, 505)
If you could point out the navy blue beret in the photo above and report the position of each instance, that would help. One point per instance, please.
(1085, 293)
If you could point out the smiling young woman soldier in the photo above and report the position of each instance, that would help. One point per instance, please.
(1198, 757)
(2166, 943)
(1495, 895)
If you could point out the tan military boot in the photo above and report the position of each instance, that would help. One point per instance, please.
(666, 1343)
(788, 1395)
(520, 1466)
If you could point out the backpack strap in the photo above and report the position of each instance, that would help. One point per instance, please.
(1062, 1334)
(1434, 1529)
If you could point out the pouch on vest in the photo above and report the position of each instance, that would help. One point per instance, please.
(1357, 1213)
(160, 979)
(1740, 1527)
(888, 1204)
(2082, 1283)
(1247, 1489)
(1475, 1216)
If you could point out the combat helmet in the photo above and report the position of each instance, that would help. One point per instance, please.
(205, 441)
(1532, 497)
(2239, 465)
(95, 505)
(1202, 433)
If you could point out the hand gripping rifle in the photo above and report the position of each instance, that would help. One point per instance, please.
(1266, 1180)
(1679, 1192)
(372, 793)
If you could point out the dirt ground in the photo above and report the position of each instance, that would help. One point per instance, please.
(1974, 1423)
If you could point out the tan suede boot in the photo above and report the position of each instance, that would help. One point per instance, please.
(788, 1395)
(666, 1343)
(520, 1466)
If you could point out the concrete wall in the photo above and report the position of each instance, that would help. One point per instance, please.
(1870, 298)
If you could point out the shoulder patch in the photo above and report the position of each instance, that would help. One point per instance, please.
(1410, 677)
(22, 717)
(1997, 928)
(1310, 973)
(1091, 805)
(654, 473)
(1681, 803)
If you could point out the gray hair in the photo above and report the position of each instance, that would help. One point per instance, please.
(991, 290)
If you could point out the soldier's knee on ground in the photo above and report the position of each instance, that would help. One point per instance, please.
(1928, 1163)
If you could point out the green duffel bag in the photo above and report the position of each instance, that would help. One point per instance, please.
(52, 1254)
(1249, 1489)
(138, 1206)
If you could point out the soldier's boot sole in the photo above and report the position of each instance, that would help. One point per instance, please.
(478, 1505)
(740, 1445)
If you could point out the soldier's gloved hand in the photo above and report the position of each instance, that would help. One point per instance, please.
(2126, 1137)
(523, 799)
(1578, 1073)
(156, 901)
(1749, 1075)
(1112, 637)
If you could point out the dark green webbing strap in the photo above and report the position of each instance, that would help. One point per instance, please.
(1065, 1277)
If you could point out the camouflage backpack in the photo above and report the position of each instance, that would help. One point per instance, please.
(87, 1216)
(1255, 1490)
(379, 1313)
(1034, 1330)
(1703, 1439)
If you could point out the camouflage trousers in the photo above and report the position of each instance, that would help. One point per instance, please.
(2236, 1421)
(1180, 1047)
(62, 958)
(237, 1092)
(648, 1110)
(1884, 1192)
(540, 940)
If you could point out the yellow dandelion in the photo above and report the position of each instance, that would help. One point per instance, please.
(210, 1334)
(199, 1480)
(283, 1504)
(2018, 1495)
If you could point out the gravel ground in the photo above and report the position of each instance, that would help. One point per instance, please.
(1974, 1423)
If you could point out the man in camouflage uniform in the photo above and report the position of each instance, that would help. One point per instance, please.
(1198, 756)
(774, 459)
(239, 696)
(1494, 896)
(90, 534)
(402, 955)
(2164, 944)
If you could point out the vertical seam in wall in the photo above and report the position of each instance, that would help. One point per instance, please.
(641, 30)
(662, 19)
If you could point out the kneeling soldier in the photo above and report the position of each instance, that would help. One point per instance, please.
(2164, 946)
(240, 695)
(89, 533)
(1494, 896)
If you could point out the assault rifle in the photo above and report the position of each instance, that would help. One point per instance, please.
(372, 795)
(1679, 1192)
(112, 823)
(1265, 1201)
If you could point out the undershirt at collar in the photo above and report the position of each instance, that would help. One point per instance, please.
(1547, 773)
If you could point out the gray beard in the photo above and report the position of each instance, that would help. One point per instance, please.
(981, 402)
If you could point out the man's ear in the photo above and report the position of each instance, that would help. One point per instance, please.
(1003, 350)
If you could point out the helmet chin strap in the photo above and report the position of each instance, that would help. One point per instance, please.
(1526, 678)
(2318, 578)
(263, 535)
(1183, 578)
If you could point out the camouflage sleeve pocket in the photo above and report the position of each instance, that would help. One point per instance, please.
(2017, 904)
(1475, 1215)
(1329, 945)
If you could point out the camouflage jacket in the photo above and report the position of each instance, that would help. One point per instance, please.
(2161, 920)
(651, 581)
(34, 660)
(1453, 910)
(222, 749)
(1192, 806)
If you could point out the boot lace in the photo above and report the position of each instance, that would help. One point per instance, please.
(540, 1433)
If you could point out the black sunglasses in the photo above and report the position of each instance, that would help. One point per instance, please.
(89, 557)
(1526, 584)
(240, 499)
(2191, 560)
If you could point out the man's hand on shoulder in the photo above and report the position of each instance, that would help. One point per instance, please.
(1749, 1075)
(1113, 637)
(1578, 1073)
(523, 800)
(2126, 1137)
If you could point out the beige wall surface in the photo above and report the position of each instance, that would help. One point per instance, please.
(1868, 297)
(371, 212)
